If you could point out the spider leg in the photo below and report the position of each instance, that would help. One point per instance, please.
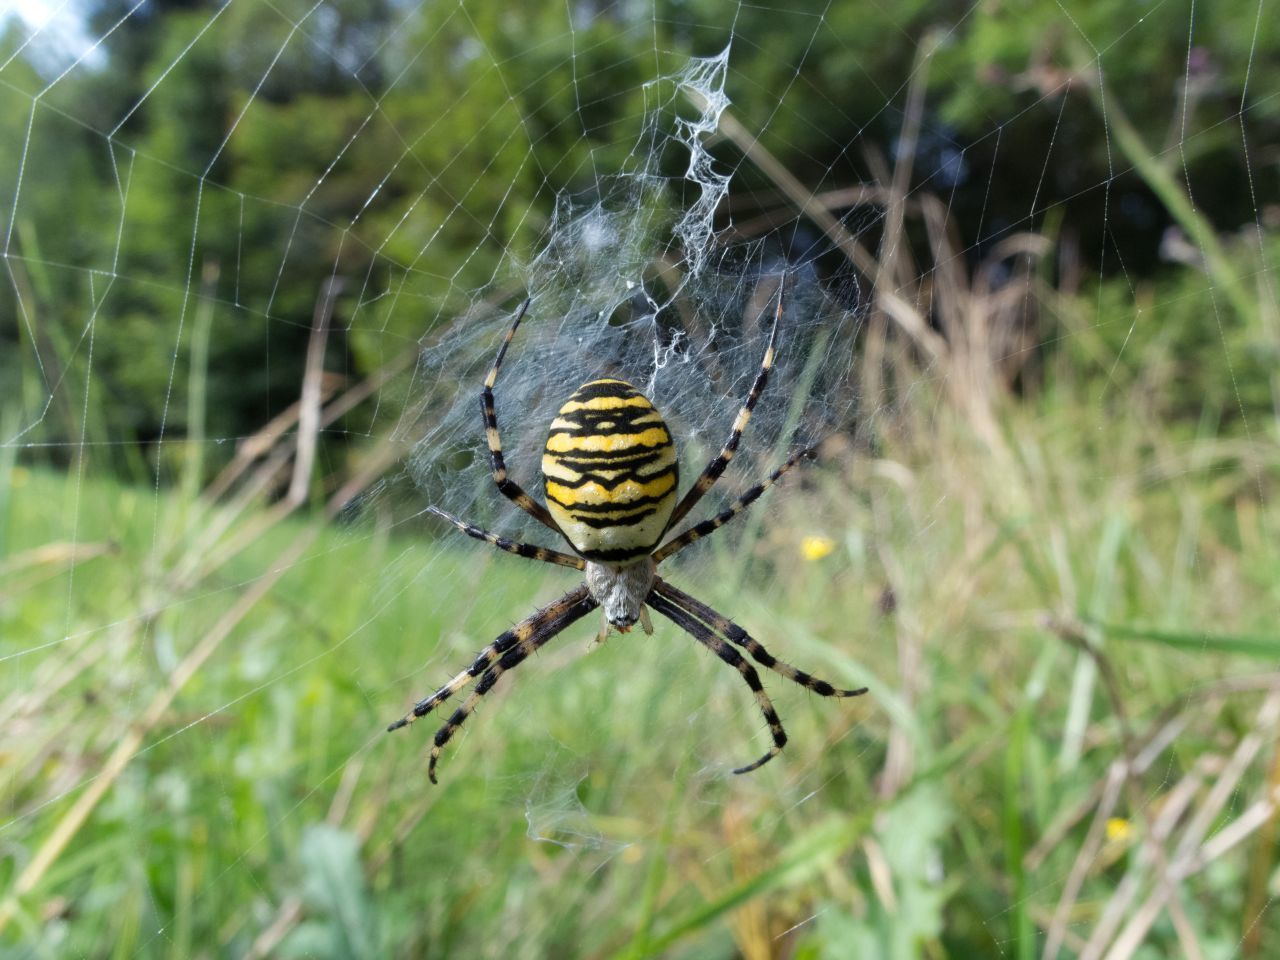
(506, 486)
(735, 634)
(717, 466)
(510, 659)
(700, 530)
(551, 617)
(527, 550)
(729, 655)
(602, 634)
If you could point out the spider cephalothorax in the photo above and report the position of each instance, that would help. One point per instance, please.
(610, 478)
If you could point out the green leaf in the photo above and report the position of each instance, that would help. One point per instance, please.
(333, 887)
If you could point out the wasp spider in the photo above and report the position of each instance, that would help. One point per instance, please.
(610, 477)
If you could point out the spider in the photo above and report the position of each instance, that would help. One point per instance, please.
(610, 477)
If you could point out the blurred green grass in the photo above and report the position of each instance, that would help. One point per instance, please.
(1029, 610)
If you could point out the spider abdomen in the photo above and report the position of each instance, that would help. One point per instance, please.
(610, 472)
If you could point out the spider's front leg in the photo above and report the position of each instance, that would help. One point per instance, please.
(509, 660)
(554, 617)
(729, 655)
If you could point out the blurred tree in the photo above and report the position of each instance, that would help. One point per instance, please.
(411, 150)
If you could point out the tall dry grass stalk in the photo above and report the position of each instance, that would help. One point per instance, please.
(973, 327)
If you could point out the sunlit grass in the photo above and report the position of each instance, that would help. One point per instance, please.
(1024, 614)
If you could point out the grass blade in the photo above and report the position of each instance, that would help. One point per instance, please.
(1263, 647)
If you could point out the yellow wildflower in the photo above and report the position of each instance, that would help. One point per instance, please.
(1118, 829)
(814, 548)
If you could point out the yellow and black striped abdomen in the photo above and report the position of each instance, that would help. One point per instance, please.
(610, 472)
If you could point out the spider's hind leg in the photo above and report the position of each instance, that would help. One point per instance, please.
(506, 486)
(720, 462)
(526, 550)
(699, 530)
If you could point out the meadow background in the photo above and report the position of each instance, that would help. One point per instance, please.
(1054, 557)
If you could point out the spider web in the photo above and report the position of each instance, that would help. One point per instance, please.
(300, 592)
(629, 283)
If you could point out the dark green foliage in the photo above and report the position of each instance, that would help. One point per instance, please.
(259, 220)
(411, 153)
